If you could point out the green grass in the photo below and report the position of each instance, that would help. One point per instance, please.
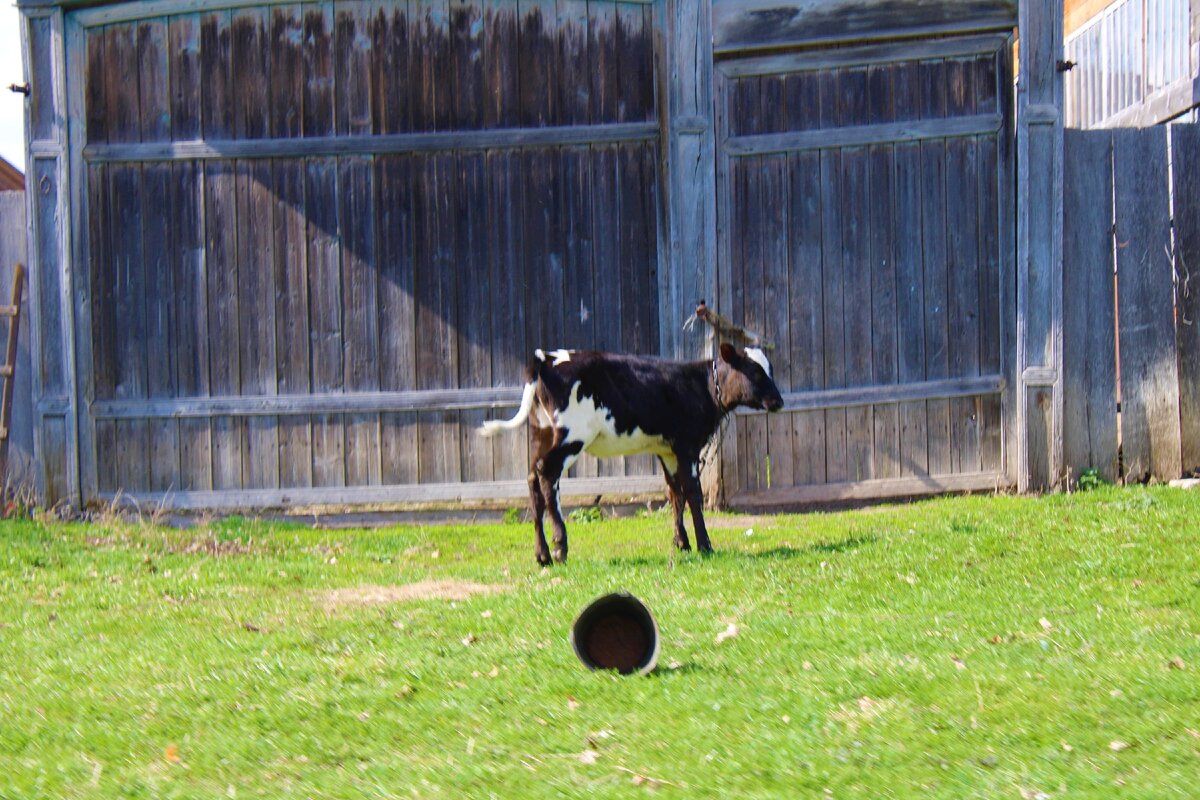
(888, 652)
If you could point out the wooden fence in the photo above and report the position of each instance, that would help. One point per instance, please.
(1131, 326)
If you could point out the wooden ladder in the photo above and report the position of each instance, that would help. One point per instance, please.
(8, 369)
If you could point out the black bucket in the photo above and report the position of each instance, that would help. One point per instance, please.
(618, 632)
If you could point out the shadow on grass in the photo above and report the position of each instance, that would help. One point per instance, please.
(781, 552)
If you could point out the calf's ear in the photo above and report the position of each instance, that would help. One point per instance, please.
(727, 352)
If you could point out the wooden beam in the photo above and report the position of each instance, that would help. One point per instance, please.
(106, 12)
(1040, 242)
(261, 499)
(500, 138)
(860, 135)
(898, 393)
(319, 403)
(741, 25)
(872, 54)
(871, 490)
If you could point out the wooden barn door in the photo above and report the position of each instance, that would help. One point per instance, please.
(866, 229)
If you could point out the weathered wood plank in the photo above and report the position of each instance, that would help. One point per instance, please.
(910, 278)
(360, 311)
(751, 24)
(882, 265)
(255, 244)
(102, 271)
(987, 84)
(153, 80)
(397, 331)
(223, 147)
(932, 81)
(856, 274)
(635, 70)
(325, 310)
(466, 60)
(810, 61)
(1185, 154)
(183, 50)
(833, 292)
(509, 350)
(1040, 428)
(391, 68)
(318, 105)
(286, 67)
(435, 287)
(1089, 318)
(807, 313)
(871, 490)
(96, 91)
(129, 291)
(352, 58)
(475, 307)
(861, 135)
(383, 495)
(502, 101)
(216, 76)
(776, 308)
(292, 357)
(1150, 432)
(159, 300)
(962, 267)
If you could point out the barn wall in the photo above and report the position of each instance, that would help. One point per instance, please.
(322, 238)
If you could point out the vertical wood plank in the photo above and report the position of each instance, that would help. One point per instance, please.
(435, 287)
(837, 466)
(882, 202)
(510, 349)
(856, 263)
(807, 314)
(251, 56)
(1089, 317)
(934, 255)
(502, 101)
(292, 356)
(475, 307)
(1185, 167)
(1150, 432)
(397, 324)
(962, 270)
(352, 67)
(910, 278)
(189, 301)
(391, 68)
(776, 308)
(325, 309)
(160, 292)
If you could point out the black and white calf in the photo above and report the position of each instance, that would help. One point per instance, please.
(615, 405)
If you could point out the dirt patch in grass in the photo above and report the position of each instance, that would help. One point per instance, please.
(371, 595)
(742, 521)
(214, 547)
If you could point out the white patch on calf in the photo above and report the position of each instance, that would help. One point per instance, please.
(561, 356)
(595, 428)
(759, 357)
(541, 354)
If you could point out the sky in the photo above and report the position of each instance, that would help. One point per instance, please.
(12, 107)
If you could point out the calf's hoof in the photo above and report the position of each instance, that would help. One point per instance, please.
(705, 549)
(683, 544)
(560, 555)
(543, 558)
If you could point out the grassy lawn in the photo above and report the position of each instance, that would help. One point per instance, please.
(965, 647)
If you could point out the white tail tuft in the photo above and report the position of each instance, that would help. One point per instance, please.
(494, 426)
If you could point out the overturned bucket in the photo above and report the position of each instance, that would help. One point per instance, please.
(618, 632)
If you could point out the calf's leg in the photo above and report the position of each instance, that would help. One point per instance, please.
(675, 495)
(550, 469)
(541, 441)
(690, 483)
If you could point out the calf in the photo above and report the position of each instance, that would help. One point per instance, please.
(615, 405)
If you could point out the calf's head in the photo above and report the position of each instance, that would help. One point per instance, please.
(745, 379)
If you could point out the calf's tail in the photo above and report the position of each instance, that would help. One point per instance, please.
(495, 426)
